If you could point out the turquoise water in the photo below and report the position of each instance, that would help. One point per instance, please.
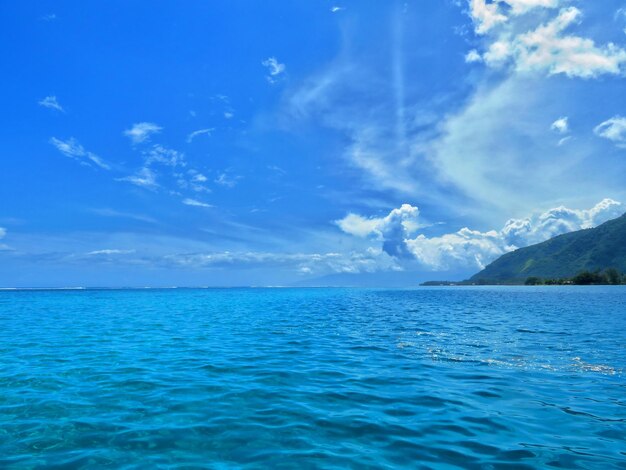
(314, 378)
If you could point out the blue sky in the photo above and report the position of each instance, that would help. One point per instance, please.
(302, 143)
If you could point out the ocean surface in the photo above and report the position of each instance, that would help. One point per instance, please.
(489, 377)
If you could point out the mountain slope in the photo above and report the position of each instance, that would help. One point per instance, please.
(563, 256)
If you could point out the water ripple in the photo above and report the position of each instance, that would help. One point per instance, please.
(485, 378)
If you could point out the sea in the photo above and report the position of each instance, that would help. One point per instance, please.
(328, 378)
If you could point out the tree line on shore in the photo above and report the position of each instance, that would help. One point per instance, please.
(610, 276)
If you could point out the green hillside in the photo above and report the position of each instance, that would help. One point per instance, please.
(563, 256)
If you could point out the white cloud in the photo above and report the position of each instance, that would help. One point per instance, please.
(564, 140)
(336, 9)
(613, 129)
(52, 103)
(359, 226)
(164, 156)
(473, 56)
(198, 177)
(3, 233)
(468, 248)
(406, 216)
(195, 134)
(106, 212)
(488, 15)
(224, 179)
(141, 131)
(485, 149)
(108, 252)
(548, 49)
(73, 149)
(228, 115)
(144, 178)
(275, 69)
(195, 203)
(485, 15)
(368, 261)
(561, 125)
(519, 7)
(497, 147)
(383, 141)
(391, 229)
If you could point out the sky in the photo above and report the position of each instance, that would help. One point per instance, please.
(308, 143)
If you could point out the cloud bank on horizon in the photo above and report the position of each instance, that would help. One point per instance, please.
(472, 248)
(409, 137)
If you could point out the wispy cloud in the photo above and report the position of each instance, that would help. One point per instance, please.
(275, 69)
(145, 178)
(229, 181)
(164, 156)
(52, 103)
(613, 129)
(106, 212)
(109, 252)
(3, 233)
(196, 203)
(336, 9)
(48, 17)
(199, 132)
(73, 149)
(276, 169)
(141, 131)
(371, 260)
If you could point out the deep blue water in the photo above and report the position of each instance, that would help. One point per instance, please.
(314, 378)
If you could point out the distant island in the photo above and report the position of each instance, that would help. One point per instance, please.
(595, 256)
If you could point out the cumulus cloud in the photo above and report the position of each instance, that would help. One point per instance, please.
(391, 229)
(613, 129)
(52, 103)
(195, 203)
(473, 56)
(519, 7)
(141, 132)
(275, 69)
(73, 149)
(468, 248)
(548, 49)
(145, 178)
(485, 15)
(199, 132)
(561, 125)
